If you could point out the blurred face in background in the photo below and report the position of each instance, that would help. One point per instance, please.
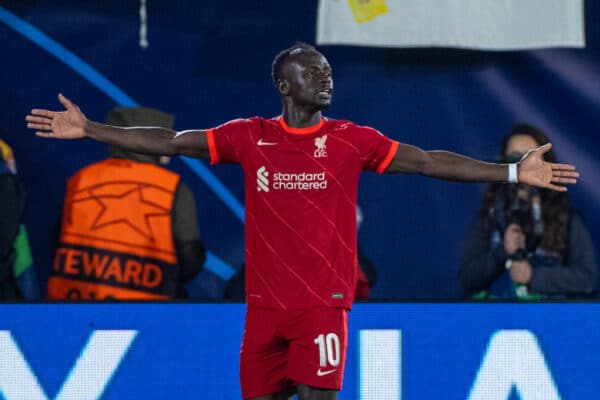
(518, 145)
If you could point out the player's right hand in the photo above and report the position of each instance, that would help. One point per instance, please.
(67, 124)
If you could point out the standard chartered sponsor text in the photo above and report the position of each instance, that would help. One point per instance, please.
(299, 181)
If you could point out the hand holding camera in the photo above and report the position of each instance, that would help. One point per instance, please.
(521, 272)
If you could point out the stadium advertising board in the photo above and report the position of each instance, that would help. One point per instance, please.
(395, 351)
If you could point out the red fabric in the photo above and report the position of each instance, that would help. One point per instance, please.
(307, 346)
(301, 193)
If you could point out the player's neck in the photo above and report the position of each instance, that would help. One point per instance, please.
(300, 118)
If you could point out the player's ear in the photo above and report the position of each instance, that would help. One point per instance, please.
(283, 86)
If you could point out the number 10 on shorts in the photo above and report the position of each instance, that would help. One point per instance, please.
(329, 349)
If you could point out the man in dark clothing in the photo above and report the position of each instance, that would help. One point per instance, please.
(191, 252)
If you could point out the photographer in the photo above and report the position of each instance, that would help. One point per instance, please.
(525, 243)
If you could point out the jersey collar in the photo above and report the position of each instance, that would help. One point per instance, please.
(301, 131)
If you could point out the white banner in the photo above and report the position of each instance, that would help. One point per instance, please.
(475, 24)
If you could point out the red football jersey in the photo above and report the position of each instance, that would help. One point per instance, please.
(301, 186)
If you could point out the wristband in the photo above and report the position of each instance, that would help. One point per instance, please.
(512, 173)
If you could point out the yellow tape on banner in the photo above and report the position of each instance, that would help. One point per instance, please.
(5, 151)
(366, 10)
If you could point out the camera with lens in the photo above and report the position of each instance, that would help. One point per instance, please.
(521, 206)
(518, 211)
(519, 255)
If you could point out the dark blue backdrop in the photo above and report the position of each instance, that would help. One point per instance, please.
(210, 61)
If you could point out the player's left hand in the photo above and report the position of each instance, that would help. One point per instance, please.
(534, 171)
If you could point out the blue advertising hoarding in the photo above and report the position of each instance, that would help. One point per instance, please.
(395, 351)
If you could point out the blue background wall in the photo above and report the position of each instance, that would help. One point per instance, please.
(209, 62)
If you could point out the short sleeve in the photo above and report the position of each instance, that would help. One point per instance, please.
(226, 141)
(376, 150)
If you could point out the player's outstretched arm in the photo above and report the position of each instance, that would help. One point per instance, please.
(532, 169)
(72, 124)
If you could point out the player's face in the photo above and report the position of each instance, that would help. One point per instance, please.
(309, 76)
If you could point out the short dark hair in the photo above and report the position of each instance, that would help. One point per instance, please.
(281, 58)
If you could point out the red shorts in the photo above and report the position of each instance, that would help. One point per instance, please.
(283, 348)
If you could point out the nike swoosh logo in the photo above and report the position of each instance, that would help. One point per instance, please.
(323, 373)
(261, 143)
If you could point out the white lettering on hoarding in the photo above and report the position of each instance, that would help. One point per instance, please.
(98, 361)
(380, 364)
(514, 359)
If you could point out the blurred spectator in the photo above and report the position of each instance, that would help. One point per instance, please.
(527, 243)
(129, 226)
(367, 273)
(235, 289)
(17, 275)
(366, 277)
